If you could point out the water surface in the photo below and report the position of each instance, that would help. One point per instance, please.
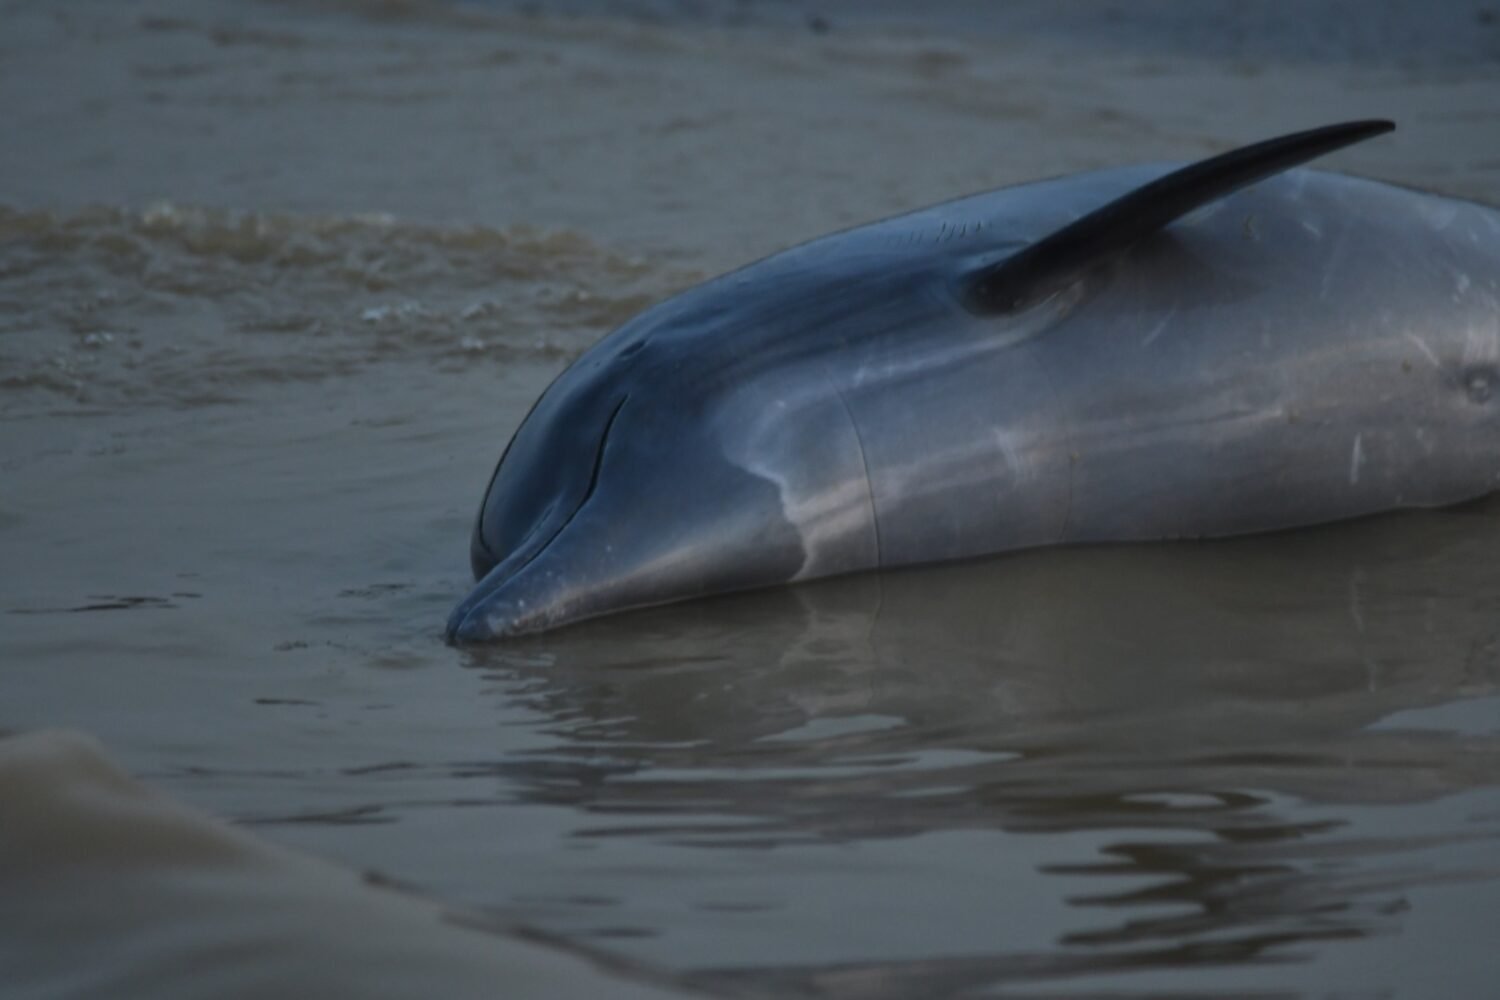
(278, 280)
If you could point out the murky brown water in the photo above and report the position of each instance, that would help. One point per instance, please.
(277, 280)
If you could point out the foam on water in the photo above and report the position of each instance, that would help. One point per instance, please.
(185, 305)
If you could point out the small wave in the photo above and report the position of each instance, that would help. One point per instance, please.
(184, 305)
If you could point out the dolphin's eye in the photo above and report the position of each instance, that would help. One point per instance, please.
(1480, 383)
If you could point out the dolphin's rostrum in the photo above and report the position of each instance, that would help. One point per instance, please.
(1133, 354)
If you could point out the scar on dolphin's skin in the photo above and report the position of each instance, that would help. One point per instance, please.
(1152, 352)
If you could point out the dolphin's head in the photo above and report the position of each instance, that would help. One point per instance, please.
(641, 476)
(705, 447)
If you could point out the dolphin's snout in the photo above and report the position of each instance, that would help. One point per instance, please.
(519, 595)
(466, 626)
(489, 612)
(470, 620)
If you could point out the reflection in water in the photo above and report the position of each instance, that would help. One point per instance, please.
(1192, 727)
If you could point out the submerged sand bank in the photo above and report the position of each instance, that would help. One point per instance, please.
(108, 889)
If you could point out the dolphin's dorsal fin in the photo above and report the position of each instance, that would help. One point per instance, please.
(1056, 261)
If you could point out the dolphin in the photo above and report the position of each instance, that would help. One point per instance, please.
(1142, 353)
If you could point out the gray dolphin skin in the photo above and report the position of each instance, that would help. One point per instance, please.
(1151, 352)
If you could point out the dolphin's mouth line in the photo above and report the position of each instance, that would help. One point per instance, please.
(587, 493)
(493, 581)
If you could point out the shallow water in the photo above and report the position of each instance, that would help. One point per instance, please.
(278, 280)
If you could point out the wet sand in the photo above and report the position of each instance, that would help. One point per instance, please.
(277, 280)
(114, 891)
